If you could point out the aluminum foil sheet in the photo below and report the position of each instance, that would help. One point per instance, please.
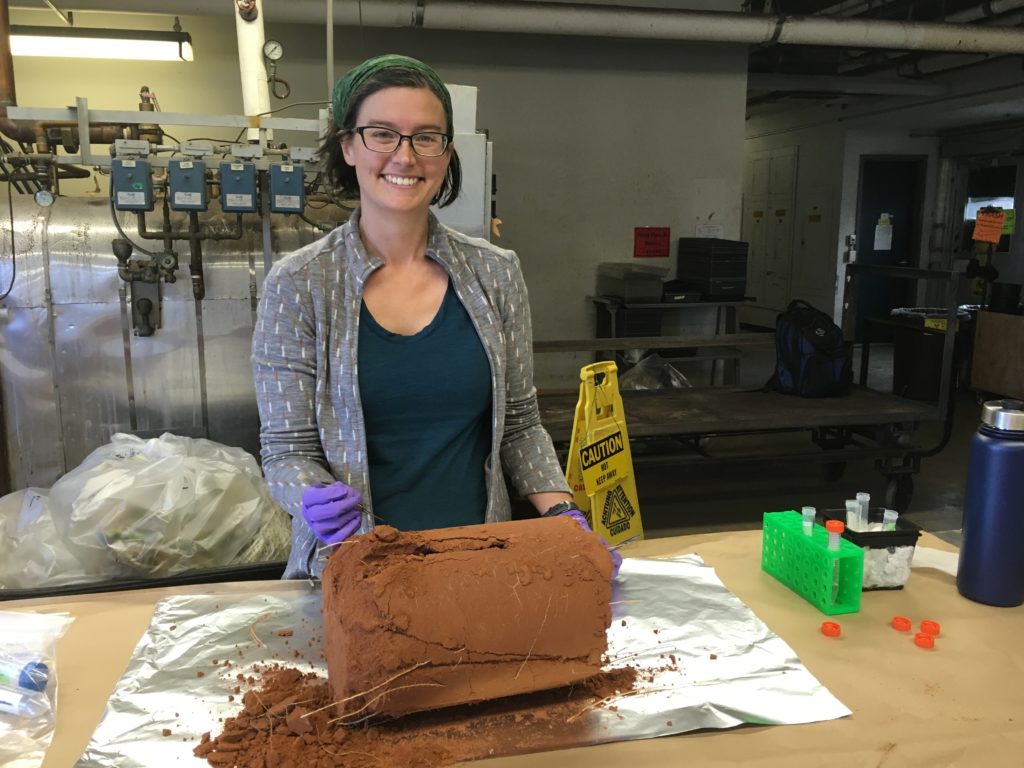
(706, 661)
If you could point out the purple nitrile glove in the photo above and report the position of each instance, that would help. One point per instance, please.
(332, 511)
(581, 519)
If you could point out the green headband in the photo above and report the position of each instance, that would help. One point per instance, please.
(353, 80)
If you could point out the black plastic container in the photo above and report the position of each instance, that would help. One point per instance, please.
(881, 548)
(714, 266)
(918, 342)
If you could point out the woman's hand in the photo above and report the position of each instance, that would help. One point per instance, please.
(333, 512)
(581, 520)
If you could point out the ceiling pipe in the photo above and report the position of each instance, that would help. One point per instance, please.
(981, 11)
(861, 86)
(875, 61)
(543, 18)
(607, 21)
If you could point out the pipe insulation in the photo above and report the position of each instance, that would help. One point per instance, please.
(255, 86)
(578, 19)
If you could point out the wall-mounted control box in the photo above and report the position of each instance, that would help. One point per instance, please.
(287, 194)
(131, 185)
(238, 187)
(187, 185)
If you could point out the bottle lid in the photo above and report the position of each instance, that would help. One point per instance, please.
(1007, 415)
(902, 623)
(834, 526)
(921, 640)
(930, 627)
(831, 628)
(34, 676)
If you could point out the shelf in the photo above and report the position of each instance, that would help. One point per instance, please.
(707, 355)
(614, 301)
(654, 342)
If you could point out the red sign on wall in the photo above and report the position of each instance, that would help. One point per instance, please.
(651, 242)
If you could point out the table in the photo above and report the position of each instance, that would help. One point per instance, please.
(959, 704)
(718, 349)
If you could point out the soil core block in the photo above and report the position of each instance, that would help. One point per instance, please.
(427, 619)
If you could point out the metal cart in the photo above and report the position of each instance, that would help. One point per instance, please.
(672, 426)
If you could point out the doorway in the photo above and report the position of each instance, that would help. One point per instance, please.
(890, 200)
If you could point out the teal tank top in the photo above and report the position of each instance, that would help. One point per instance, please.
(427, 405)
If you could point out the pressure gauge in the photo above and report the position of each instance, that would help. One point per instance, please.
(273, 50)
(44, 198)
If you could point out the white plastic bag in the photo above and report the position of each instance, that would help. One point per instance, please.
(139, 508)
(146, 508)
(28, 685)
(653, 372)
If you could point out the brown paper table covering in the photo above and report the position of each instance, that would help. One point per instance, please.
(961, 703)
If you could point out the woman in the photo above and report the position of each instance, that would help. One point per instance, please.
(392, 358)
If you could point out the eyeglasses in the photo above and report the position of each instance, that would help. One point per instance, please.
(425, 144)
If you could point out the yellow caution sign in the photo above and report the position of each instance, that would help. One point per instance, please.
(600, 465)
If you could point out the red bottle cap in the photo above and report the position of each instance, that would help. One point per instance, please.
(902, 623)
(830, 628)
(834, 526)
(930, 627)
(921, 640)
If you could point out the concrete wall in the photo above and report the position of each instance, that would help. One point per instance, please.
(591, 137)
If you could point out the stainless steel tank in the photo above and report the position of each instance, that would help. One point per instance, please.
(72, 371)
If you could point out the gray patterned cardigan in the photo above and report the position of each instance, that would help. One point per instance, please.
(307, 383)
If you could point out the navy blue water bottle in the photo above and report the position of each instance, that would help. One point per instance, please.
(991, 566)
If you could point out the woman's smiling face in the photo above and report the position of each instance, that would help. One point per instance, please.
(399, 181)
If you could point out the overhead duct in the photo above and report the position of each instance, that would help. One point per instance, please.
(542, 18)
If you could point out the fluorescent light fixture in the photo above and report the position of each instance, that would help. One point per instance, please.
(76, 42)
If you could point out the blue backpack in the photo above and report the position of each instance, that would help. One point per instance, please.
(811, 357)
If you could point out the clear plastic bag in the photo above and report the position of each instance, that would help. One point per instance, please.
(28, 685)
(653, 372)
(32, 554)
(139, 508)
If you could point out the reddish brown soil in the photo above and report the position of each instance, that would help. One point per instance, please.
(279, 727)
(506, 621)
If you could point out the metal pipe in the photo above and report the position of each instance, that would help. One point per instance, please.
(8, 96)
(615, 21)
(195, 262)
(985, 10)
(610, 21)
(330, 45)
(167, 234)
(99, 133)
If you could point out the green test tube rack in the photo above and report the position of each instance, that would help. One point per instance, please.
(806, 565)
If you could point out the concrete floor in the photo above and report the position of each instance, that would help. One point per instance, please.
(692, 498)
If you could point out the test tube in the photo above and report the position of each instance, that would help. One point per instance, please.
(23, 703)
(835, 530)
(808, 513)
(865, 505)
(852, 514)
(889, 519)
